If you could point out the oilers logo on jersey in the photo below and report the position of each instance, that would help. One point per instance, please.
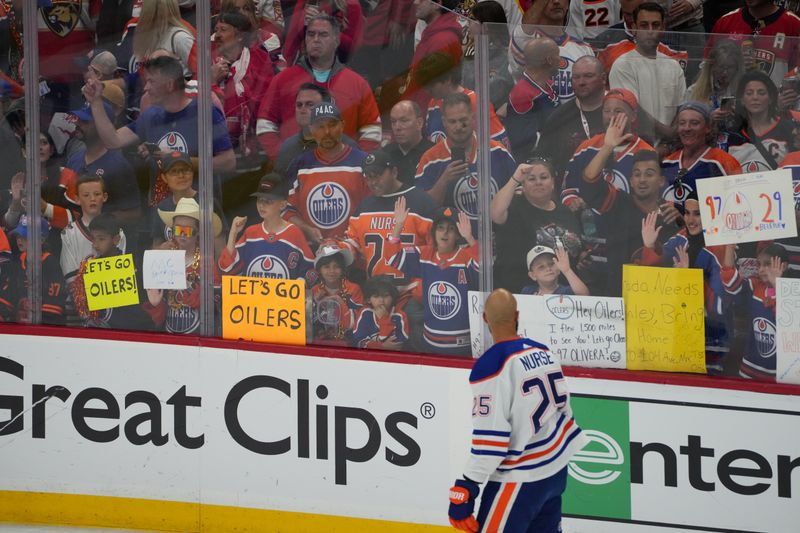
(173, 142)
(617, 179)
(465, 194)
(764, 333)
(444, 300)
(796, 185)
(755, 166)
(677, 192)
(563, 79)
(328, 204)
(268, 266)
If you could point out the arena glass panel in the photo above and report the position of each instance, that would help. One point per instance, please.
(230, 169)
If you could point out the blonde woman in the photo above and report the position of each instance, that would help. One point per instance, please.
(160, 26)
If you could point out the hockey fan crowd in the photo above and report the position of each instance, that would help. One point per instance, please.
(345, 152)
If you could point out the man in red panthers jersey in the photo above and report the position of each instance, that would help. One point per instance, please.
(767, 34)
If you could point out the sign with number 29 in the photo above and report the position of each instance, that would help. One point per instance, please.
(747, 207)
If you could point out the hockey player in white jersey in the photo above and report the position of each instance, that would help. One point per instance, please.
(523, 433)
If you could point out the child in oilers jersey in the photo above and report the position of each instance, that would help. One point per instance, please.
(336, 299)
(545, 265)
(380, 324)
(273, 248)
(53, 285)
(447, 271)
(105, 234)
(759, 293)
(523, 433)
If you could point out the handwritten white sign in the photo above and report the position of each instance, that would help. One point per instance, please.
(747, 207)
(787, 316)
(585, 331)
(164, 269)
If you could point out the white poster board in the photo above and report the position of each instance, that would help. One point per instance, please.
(787, 318)
(585, 331)
(747, 207)
(164, 269)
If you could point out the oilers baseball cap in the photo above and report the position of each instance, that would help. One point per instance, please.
(85, 112)
(537, 251)
(325, 110)
(169, 159)
(377, 161)
(271, 187)
(445, 213)
(624, 95)
(22, 227)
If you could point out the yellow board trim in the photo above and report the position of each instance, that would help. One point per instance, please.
(159, 515)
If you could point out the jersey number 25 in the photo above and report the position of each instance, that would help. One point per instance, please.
(548, 394)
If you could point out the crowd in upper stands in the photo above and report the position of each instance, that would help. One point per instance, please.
(345, 153)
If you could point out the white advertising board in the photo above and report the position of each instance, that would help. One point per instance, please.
(371, 440)
(747, 207)
(584, 331)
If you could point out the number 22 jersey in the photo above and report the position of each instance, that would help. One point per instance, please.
(523, 429)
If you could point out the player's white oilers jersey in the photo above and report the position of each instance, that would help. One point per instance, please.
(523, 429)
(590, 18)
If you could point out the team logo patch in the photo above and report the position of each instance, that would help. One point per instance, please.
(618, 180)
(764, 333)
(755, 166)
(765, 60)
(465, 194)
(677, 194)
(328, 205)
(268, 266)
(62, 16)
(796, 185)
(444, 300)
(173, 142)
(563, 80)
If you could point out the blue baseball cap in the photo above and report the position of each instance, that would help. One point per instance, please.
(22, 227)
(85, 112)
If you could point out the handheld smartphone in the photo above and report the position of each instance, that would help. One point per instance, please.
(457, 153)
(727, 102)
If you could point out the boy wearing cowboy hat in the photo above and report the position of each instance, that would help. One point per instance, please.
(178, 310)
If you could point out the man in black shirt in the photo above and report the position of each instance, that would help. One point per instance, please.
(408, 143)
(579, 119)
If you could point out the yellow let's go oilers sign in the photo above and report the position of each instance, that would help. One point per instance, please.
(111, 282)
(264, 310)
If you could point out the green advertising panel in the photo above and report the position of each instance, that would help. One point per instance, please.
(599, 475)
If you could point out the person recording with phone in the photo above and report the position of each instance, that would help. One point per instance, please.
(449, 170)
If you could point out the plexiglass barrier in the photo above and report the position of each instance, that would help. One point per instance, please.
(400, 159)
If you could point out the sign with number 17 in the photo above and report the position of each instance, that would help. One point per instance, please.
(747, 207)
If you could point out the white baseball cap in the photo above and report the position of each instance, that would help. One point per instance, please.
(538, 250)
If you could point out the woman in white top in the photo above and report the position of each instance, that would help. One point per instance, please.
(160, 27)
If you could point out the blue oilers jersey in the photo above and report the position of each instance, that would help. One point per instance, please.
(529, 106)
(446, 282)
(523, 428)
(616, 174)
(760, 359)
(435, 124)
(177, 132)
(371, 331)
(259, 254)
(681, 181)
(462, 193)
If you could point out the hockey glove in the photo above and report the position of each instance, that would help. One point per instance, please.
(462, 504)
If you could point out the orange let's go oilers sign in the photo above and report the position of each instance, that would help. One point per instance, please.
(264, 310)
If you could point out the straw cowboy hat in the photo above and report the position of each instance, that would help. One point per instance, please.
(188, 207)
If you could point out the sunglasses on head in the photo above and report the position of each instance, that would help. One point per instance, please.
(184, 231)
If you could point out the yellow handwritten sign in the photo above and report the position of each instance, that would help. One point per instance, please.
(111, 282)
(664, 320)
(264, 310)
